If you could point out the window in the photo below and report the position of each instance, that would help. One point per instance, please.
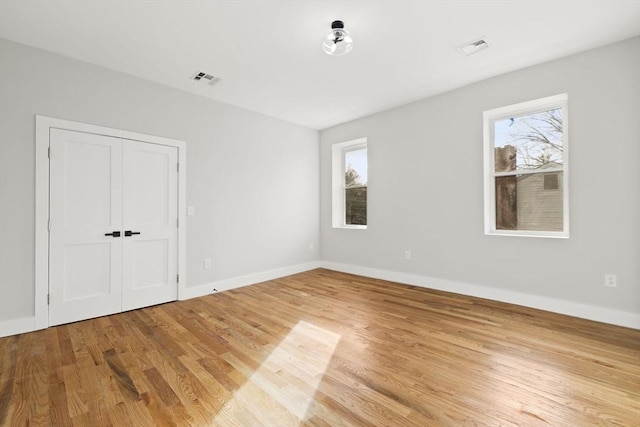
(526, 159)
(551, 181)
(349, 183)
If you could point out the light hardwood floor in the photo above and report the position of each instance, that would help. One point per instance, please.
(325, 349)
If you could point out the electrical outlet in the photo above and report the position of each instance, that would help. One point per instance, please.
(207, 263)
(191, 210)
(610, 280)
(311, 246)
(407, 254)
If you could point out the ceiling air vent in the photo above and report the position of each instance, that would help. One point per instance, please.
(204, 77)
(473, 47)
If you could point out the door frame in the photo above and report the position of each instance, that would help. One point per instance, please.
(43, 126)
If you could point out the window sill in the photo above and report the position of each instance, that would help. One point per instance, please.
(524, 233)
(351, 227)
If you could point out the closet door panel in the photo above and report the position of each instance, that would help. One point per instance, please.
(150, 195)
(85, 252)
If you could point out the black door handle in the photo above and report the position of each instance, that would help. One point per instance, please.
(128, 233)
(114, 234)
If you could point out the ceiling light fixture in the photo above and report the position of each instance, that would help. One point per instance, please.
(338, 41)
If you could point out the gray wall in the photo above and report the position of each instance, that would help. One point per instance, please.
(426, 186)
(252, 179)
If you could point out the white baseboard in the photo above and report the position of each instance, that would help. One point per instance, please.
(18, 326)
(585, 311)
(29, 324)
(251, 279)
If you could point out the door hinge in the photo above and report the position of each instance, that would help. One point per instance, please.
(178, 167)
(177, 222)
(48, 299)
(49, 225)
(177, 278)
(49, 152)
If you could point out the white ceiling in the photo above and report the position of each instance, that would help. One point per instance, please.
(269, 57)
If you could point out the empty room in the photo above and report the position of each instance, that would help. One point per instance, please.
(319, 213)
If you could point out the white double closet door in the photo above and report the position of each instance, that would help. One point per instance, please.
(113, 225)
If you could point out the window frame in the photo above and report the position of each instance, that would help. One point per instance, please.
(338, 170)
(521, 109)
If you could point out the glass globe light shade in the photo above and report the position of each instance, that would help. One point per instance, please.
(338, 41)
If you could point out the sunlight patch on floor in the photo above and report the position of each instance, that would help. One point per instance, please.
(291, 374)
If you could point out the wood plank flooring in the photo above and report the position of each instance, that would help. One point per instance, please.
(324, 349)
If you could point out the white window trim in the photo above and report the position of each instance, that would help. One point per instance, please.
(524, 108)
(338, 151)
